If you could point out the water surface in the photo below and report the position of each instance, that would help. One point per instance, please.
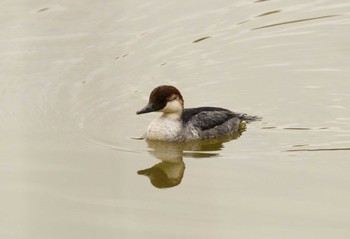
(74, 74)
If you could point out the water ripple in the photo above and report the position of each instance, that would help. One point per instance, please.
(294, 21)
(318, 150)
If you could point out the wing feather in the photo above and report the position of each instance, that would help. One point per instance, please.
(206, 118)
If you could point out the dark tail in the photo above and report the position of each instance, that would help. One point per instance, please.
(249, 118)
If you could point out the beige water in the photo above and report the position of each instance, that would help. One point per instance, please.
(73, 74)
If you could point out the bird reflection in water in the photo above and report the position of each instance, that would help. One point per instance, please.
(170, 171)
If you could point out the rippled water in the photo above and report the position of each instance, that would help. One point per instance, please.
(73, 75)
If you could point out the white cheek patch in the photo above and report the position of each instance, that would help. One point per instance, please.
(173, 106)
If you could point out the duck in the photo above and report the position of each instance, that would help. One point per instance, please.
(177, 123)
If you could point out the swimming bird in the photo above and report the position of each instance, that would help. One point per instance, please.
(179, 124)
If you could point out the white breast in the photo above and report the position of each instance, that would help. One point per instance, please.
(164, 128)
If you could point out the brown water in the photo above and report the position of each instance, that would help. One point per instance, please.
(73, 74)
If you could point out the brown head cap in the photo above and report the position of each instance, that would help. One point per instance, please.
(164, 93)
(160, 96)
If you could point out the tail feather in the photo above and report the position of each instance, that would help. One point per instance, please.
(249, 118)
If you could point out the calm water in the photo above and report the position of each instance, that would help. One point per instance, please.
(73, 74)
